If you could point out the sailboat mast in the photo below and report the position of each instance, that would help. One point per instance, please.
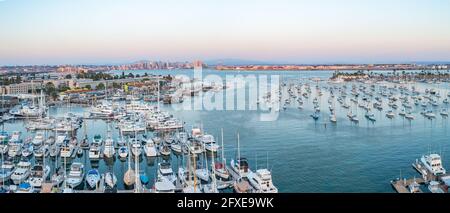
(213, 176)
(195, 176)
(3, 176)
(239, 156)
(158, 94)
(223, 156)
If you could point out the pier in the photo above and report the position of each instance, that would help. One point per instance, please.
(401, 186)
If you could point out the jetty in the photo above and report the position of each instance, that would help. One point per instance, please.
(401, 185)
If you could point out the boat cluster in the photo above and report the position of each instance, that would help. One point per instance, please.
(24, 168)
(135, 116)
(395, 100)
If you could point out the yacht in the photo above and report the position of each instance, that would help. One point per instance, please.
(21, 172)
(163, 185)
(177, 147)
(182, 137)
(108, 150)
(60, 138)
(261, 180)
(164, 150)
(209, 143)
(150, 149)
(240, 166)
(41, 124)
(94, 152)
(67, 149)
(97, 140)
(165, 172)
(433, 163)
(169, 125)
(93, 178)
(6, 171)
(41, 152)
(76, 175)
(14, 149)
(64, 125)
(39, 175)
(128, 127)
(195, 147)
(136, 147)
(38, 139)
(103, 110)
(27, 150)
(15, 145)
(27, 111)
(123, 152)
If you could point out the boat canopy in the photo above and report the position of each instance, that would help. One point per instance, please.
(24, 185)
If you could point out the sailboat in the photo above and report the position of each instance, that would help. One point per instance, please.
(129, 176)
(85, 142)
(220, 168)
(108, 150)
(188, 180)
(240, 166)
(150, 149)
(203, 173)
(110, 180)
(212, 186)
(333, 118)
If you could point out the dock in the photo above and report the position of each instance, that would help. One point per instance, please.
(401, 186)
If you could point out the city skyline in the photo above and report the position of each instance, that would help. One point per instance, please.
(293, 32)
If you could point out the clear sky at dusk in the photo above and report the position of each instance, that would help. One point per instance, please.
(295, 31)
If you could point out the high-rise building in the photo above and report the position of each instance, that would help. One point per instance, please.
(198, 64)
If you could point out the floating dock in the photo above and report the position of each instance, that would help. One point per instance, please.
(401, 186)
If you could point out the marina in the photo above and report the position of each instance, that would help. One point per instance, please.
(133, 144)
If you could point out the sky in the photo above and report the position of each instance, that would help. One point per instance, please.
(285, 31)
